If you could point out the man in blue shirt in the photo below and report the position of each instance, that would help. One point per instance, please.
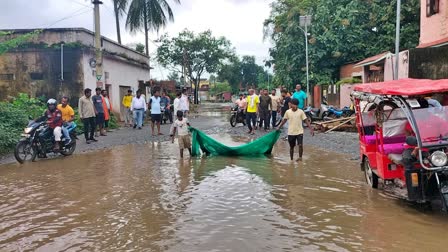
(300, 96)
(156, 114)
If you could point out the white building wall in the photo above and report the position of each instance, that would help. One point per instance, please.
(120, 74)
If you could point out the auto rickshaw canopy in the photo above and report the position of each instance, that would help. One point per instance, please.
(404, 87)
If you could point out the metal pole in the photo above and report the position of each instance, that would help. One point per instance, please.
(62, 61)
(98, 52)
(397, 40)
(307, 71)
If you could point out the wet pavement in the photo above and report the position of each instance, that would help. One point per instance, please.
(142, 197)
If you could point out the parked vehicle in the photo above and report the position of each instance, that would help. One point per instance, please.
(38, 140)
(317, 114)
(338, 113)
(403, 141)
(237, 116)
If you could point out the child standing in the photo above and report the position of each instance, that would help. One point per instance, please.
(183, 136)
(295, 117)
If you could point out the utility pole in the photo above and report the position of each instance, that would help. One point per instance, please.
(397, 40)
(98, 51)
(305, 21)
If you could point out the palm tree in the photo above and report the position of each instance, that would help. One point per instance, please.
(149, 15)
(119, 10)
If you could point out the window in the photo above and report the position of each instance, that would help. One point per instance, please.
(432, 7)
(7, 77)
(37, 76)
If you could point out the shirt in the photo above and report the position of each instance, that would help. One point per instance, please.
(275, 102)
(265, 102)
(181, 126)
(85, 108)
(184, 103)
(295, 119)
(242, 103)
(98, 103)
(301, 96)
(252, 103)
(155, 105)
(285, 106)
(67, 112)
(138, 103)
(127, 100)
(164, 101)
(55, 118)
(106, 99)
(176, 105)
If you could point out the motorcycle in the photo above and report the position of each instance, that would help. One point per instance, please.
(38, 140)
(237, 116)
(337, 113)
(317, 114)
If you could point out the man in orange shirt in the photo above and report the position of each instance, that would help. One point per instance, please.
(107, 107)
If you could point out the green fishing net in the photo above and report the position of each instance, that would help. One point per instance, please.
(209, 146)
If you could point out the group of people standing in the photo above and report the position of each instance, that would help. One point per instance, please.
(268, 107)
(160, 107)
(95, 113)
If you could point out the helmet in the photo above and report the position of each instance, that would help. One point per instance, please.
(51, 102)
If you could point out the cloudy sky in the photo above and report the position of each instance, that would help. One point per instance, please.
(240, 21)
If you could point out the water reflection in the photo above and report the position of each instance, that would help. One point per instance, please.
(142, 197)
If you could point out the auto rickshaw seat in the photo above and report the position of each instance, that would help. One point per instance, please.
(394, 148)
(371, 139)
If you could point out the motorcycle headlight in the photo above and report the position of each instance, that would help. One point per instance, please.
(28, 130)
(438, 158)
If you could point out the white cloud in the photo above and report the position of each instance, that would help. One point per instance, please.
(240, 21)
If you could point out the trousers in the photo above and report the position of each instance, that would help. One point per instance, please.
(89, 127)
(251, 119)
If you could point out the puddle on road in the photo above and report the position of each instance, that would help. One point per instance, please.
(141, 197)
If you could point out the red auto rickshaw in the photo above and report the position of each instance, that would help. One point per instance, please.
(403, 136)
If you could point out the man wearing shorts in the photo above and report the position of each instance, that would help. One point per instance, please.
(295, 117)
(181, 126)
(156, 113)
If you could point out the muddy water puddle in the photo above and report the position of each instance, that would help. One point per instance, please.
(143, 198)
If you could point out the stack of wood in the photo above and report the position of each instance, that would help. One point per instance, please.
(340, 124)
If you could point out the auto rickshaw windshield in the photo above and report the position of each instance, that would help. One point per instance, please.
(432, 123)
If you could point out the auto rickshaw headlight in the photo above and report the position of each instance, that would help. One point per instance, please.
(438, 158)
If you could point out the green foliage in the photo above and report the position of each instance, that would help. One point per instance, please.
(349, 81)
(14, 118)
(140, 48)
(341, 31)
(200, 52)
(218, 88)
(11, 43)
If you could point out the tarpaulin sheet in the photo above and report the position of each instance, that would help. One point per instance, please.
(407, 87)
(209, 146)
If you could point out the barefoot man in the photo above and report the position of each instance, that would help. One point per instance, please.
(295, 117)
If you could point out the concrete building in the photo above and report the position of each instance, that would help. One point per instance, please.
(60, 62)
(433, 23)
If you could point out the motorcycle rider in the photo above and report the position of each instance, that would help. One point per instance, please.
(54, 120)
(68, 116)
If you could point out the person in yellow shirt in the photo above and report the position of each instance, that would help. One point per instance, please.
(127, 101)
(251, 112)
(68, 116)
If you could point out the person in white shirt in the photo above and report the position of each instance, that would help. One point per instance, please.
(156, 113)
(176, 103)
(184, 104)
(138, 107)
(183, 137)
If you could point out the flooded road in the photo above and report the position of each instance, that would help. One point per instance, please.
(143, 198)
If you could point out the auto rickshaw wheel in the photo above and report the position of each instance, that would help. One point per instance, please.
(371, 177)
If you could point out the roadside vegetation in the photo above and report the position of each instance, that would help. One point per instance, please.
(16, 113)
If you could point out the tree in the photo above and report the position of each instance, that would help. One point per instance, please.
(231, 73)
(342, 31)
(140, 48)
(149, 15)
(174, 76)
(220, 87)
(8, 43)
(199, 53)
(119, 10)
